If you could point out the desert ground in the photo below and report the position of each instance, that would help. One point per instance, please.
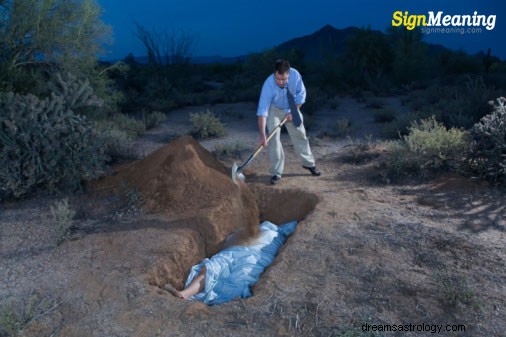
(420, 254)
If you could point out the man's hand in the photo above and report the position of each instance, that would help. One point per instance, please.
(263, 140)
(288, 117)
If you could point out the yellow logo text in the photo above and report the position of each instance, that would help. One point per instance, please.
(409, 21)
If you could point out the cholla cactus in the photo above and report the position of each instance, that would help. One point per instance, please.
(489, 145)
(44, 143)
(76, 93)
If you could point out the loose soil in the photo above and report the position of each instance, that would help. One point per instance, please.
(365, 251)
(183, 183)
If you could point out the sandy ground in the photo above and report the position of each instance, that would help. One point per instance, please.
(365, 252)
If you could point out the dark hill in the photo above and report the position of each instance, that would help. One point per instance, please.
(326, 41)
(332, 41)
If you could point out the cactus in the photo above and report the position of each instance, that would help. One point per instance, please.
(76, 93)
(488, 157)
(43, 142)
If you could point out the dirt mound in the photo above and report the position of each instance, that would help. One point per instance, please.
(185, 184)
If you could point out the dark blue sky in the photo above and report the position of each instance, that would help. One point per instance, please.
(232, 28)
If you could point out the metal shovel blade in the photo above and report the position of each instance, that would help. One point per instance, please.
(236, 174)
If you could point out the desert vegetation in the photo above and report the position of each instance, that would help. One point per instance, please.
(110, 105)
(66, 117)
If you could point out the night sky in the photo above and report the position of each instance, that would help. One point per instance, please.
(233, 28)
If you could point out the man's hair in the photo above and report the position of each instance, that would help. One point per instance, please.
(281, 66)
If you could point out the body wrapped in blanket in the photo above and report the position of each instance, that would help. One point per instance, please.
(230, 273)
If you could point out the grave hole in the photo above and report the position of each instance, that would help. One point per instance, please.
(185, 185)
(276, 206)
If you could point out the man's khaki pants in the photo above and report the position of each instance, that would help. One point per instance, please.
(299, 141)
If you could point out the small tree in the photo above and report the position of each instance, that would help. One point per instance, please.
(48, 34)
(167, 48)
(367, 59)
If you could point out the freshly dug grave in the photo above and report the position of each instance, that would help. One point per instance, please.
(194, 193)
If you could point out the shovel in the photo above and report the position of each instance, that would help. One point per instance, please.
(237, 170)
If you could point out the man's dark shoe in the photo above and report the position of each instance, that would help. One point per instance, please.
(314, 171)
(275, 179)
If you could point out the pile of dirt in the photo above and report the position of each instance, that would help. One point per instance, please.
(185, 184)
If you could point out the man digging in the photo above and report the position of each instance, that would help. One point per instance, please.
(282, 95)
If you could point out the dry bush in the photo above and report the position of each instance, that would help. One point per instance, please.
(206, 125)
(428, 147)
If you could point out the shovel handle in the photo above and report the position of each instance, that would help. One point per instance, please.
(270, 136)
(262, 146)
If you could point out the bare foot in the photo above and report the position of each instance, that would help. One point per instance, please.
(173, 291)
(197, 285)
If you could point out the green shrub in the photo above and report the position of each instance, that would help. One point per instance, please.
(206, 125)
(428, 147)
(133, 127)
(455, 289)
(435, 146)
(18, 314)
(153, 119)
(223, 151)
(61, 219)
(117, 134)
(160, 103)
(44, 143)
(401, 162)
(488, 155)
(117, 144)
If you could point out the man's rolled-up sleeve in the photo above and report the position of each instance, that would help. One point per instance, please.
(265, 101)
(300, 90)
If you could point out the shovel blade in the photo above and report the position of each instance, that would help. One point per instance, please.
(236, 174)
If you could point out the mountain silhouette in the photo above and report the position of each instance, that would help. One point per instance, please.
(330, 41)
(326, 41)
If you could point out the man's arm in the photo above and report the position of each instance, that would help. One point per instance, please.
(262, 122)
(263, 109)
(300, 90)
